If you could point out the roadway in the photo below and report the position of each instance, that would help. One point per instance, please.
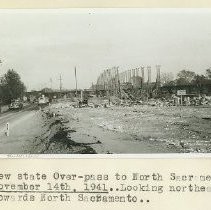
(23, 127)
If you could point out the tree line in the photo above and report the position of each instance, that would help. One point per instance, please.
(186, 77)
(11, 87)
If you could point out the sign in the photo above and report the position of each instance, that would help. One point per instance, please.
(181, 92)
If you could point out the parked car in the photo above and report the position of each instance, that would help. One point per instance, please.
(16, 105)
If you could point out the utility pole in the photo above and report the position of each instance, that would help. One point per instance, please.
(158, 78)
(107, 85)
(76, 83)
(60, 83)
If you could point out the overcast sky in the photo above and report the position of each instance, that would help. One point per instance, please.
(42, 44)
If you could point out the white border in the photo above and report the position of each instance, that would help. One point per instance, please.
(107, 156)
(106, 10)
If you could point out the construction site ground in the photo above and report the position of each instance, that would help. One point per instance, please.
(62, 128)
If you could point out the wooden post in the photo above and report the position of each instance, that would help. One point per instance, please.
(7, 129)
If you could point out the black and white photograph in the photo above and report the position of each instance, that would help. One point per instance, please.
(105, 81)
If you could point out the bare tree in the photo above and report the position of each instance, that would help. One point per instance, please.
(166, 78)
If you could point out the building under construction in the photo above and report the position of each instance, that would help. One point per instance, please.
(133, 84)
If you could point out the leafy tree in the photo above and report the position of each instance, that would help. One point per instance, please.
(199, 80)
(208, 73)
(12, 86)
(185, 77)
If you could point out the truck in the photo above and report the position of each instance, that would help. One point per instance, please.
(43, 100)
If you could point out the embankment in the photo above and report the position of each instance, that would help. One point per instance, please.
(56, 139)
